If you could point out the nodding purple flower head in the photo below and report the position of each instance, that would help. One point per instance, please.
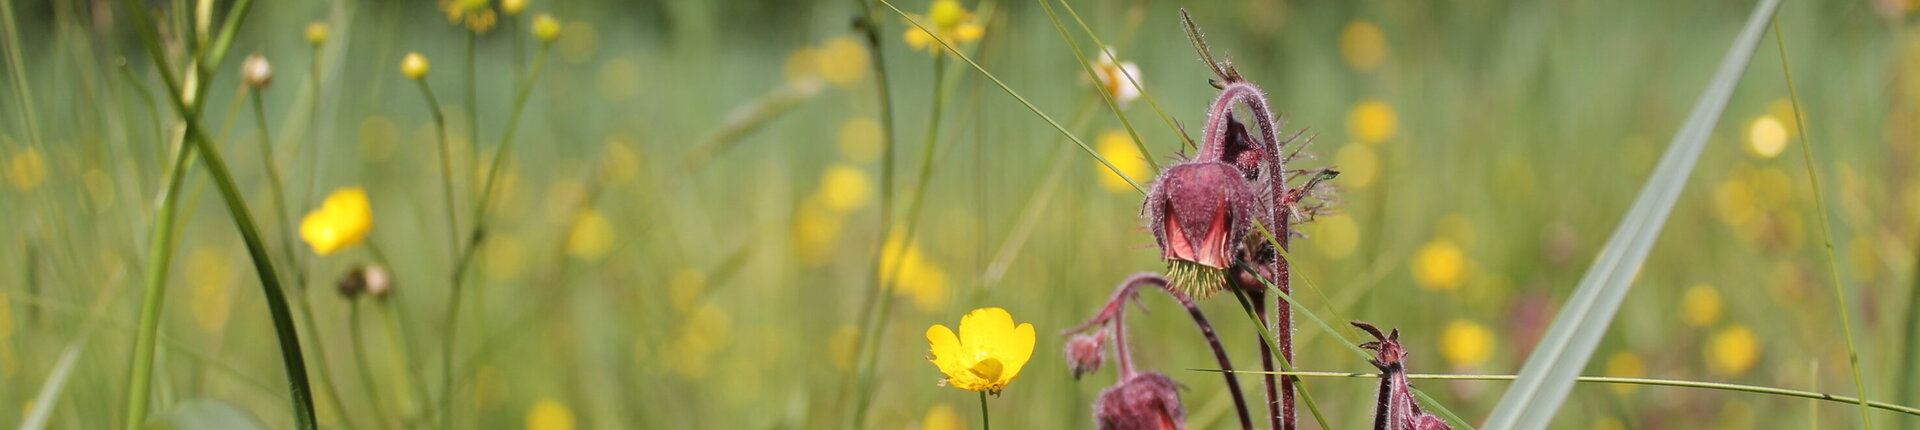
(1086, 353)
(1199, 213)
(1145, 401)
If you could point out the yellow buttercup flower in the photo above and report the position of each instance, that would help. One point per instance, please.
(592, 236)
(26, 169)
(1766, 137)
(513, 7)
(549, 414)
(1372, 121)
(545, 27)
(476, 14)
(1466, 343)
(949, 21)
(1732, 351)
(988, 353)
(912, 274)
(816, 231)
(1440, 266)
(1700, 306)
(1118, 148)
(341, 222)
(414, 66)
(1363, 45)
(843, 61)
(844, 188)
(1359, 165)
(1336, 235)
(317, 32)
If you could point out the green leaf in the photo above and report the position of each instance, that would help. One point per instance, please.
(206, 414)
(1550, 371)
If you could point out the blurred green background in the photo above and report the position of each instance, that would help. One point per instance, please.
(685, 233)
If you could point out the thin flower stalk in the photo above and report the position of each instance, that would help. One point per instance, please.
(1109, 323)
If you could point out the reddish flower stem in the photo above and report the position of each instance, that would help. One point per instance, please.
(1111, 315)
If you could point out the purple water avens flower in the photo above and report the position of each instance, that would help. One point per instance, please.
(1145, 401)
(1199, 213)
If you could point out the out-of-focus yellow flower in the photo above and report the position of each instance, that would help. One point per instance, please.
(414, 66)
(1700, 306)
(683, 290)
(1733, 202)
(1336, 235)
(549, 414)
(1372, 121)
(1440, 266)
(1117, 77)
(1363, 45)
(513, 7)
(317, 32)
(912, 274)
(803, 64)
(844, 188)
(1118, 148)
(842, 346)
(942, 417)
(986, 355)
(1359, 165)
(707, 330)
(816, 231)
(843, 61)
(1625, 364)
(545, 28)
(1732, 351)
(1866, 258)
(477, 15)
(210, 276)
(1466, 343)
(1782, 109)
(622, 162)
(26, 169)
(592, 236)
(950, 21)
(341, 222)
(1609, 423)
(1766, 137)
(860, 139)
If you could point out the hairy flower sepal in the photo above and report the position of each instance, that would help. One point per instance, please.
(986, 355)
(1199, 212)
(1395, 408)
(1144, 401)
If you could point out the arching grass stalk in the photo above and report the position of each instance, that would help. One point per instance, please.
(184, 104)
(1826, 227)
(1104, 95)
(479, 232)
(1909, 410)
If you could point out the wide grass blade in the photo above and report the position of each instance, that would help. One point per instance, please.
(1551, 370)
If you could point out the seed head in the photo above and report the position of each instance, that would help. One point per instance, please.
(545, 27)
(371, 280)
(1146, 401)
(414, 66)
(255, 71)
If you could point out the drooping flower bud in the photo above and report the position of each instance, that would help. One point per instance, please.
(545, 27)
(256, 72)
(414, 66)
(1085, 353)
(1199, 212)
(317, 32)
(1146, 401)
(1395, 408)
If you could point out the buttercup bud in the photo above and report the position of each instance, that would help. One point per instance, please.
(414, 66)
(255, 71)
(545, 27)
(317, 33)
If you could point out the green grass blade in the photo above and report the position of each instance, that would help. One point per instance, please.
(50, 391)
(1550, 372)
